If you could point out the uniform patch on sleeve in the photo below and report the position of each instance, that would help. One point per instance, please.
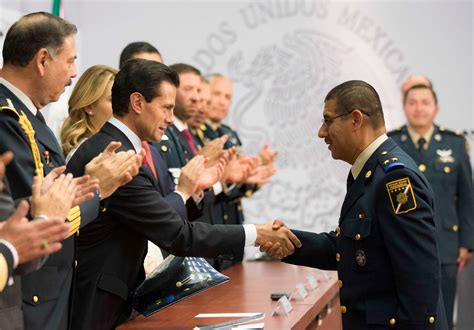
(401, 196)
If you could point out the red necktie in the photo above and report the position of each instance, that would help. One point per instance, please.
(148, 160)
(189, 139)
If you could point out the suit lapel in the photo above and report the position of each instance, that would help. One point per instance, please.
(353, 194)
(358, 187)
(433, 146)
(409, 146)
(181, 144)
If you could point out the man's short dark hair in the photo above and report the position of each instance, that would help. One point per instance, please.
(420, 86)
(136, 48)
(142, 76)
(182, 68)
(357, 94)
(33, 32)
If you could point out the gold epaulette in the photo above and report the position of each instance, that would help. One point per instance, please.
(25, 124)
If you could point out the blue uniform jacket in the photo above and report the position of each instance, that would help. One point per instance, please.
(446, 166)
(384, 247)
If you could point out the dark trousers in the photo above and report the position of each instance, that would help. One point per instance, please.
(449, 274)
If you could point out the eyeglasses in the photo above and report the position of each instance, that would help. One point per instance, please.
(328, 121)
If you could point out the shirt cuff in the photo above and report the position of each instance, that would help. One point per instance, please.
(181, 195)
(12, 250)
(250, 234)
(217, 188)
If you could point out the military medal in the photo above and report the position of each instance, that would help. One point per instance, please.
(47, 157)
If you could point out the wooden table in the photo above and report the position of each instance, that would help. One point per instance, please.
(248, 290)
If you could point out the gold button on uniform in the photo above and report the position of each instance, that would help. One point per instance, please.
(447, 169)
(392, 321)
(164, 148)
(357, 237)
(248, 193)
(455, 228)
(226, 217)
(338, 231)
(422, 167)
(431, 320)
(384, 153)
(339, 283)
(338, 257)
(35, 299)
(343, 309)
(368, 174)
(75, 263)
(361, 216)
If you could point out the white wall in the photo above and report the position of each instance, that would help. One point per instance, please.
(284, 56)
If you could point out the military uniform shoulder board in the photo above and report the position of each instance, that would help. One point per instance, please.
(459, 133)
(226, 128)
(29, 133)
(9, 109)
(395, 131)
(389, 162)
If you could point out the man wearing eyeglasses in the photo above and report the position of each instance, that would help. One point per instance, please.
(384, 247)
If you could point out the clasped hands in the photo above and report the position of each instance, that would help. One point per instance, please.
(276, 239)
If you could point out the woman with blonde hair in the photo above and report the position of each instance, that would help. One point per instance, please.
(90, 106)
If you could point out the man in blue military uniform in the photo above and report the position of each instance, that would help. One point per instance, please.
(384, 247)
(442, 157)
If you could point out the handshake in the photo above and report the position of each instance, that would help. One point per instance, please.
(276, 239)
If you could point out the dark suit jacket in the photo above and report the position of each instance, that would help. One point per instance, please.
(111, 249)
(384, 248)
(51, 285)
(450, 177)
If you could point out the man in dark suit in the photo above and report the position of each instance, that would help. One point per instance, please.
(112, 248)
(442, 156)
(384, 247)
(38, 55)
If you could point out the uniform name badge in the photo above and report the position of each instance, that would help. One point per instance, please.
(401, 195)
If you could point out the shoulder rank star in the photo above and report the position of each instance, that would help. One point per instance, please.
(401, 196)
(445, 155)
